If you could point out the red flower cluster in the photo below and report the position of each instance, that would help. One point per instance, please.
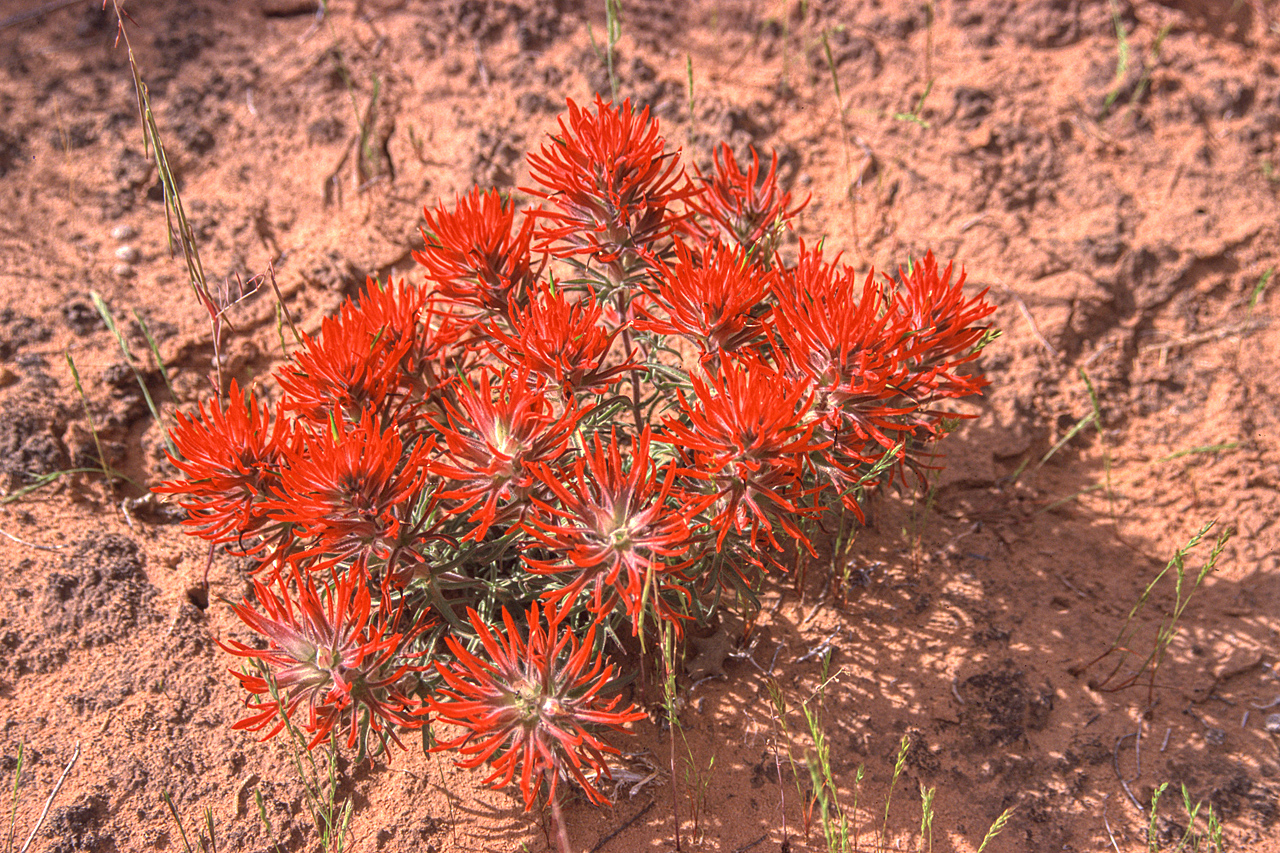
(584, 414)
(527, 703)
(324, 654)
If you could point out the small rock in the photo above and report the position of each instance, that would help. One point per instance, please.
(1272, 724)
(7, 377)
(1238, 663)
(123, 232)
(123, 270)
(1215, 737)
(128, 254)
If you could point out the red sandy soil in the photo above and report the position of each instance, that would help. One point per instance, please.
(1122, 241)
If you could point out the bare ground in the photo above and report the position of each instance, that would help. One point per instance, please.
(1124, 217)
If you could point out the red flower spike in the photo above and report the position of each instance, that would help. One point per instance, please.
(944, 324)
(842, 338)
(611, 180)
(748, 431)
(528, 705)
(364, 357)
(565, 342)
(491, 438)
(231, 458)
(714, 301)
(476, 256)
(350, 490)
(746, 208)
(326, 654)
(618, 528)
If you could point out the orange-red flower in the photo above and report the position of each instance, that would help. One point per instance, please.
(351, 490)
(747, 431)
(746, 208)
(715, 300)
(330, 656)
(367, 357)
(564, 342)
(619, 527)
(945, 325)
(610, 181)
(529, 705)
(231, 459)
(476, 256)
(492, 436)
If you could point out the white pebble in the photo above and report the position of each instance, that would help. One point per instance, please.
(128, 254)
(123, 232)
(123, 270)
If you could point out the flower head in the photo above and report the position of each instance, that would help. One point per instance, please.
(328, 656)
(231, 461)
(564, 342)
(529, 704)
(610, 180)
(492, 435)
(620, 528)
(475, 254)
(351, 490)
(715, 300)
(368, 356)
(945, 325)
(747, 432)
(747, 208)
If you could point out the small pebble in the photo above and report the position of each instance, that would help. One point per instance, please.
(7, 377)
(1215, 737)
(1272, 723)
(123, 232)
(128, 254)
(123, 270)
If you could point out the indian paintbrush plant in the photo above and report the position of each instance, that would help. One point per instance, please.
(588, 421)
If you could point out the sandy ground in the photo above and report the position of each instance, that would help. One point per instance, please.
(1123, 215)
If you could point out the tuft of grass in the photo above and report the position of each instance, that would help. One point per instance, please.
(1123, 52)
(108, 471)
(996, 828)
(929, 79)
(13, 803)
(266, 821)
(613, 32)
(1260, 288)
(1209, 840)
(48, 803)
(1185, 586)
(206, 837)
(110, 320)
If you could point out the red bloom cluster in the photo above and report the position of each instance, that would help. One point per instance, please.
(324, 654)
(612, 182)
(589, 415)
(526, 705)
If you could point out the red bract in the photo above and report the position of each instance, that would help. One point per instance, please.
(619, 526)
(611, 181)
(475, 254)
(747, 208)
(564, 342)
(231, 458)
(714, 300)
(364, 358)
(528, 705)
(748, 431)
(944, 324)
(351, 489)
(842, 338)
(327, 655)
(492, 436)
